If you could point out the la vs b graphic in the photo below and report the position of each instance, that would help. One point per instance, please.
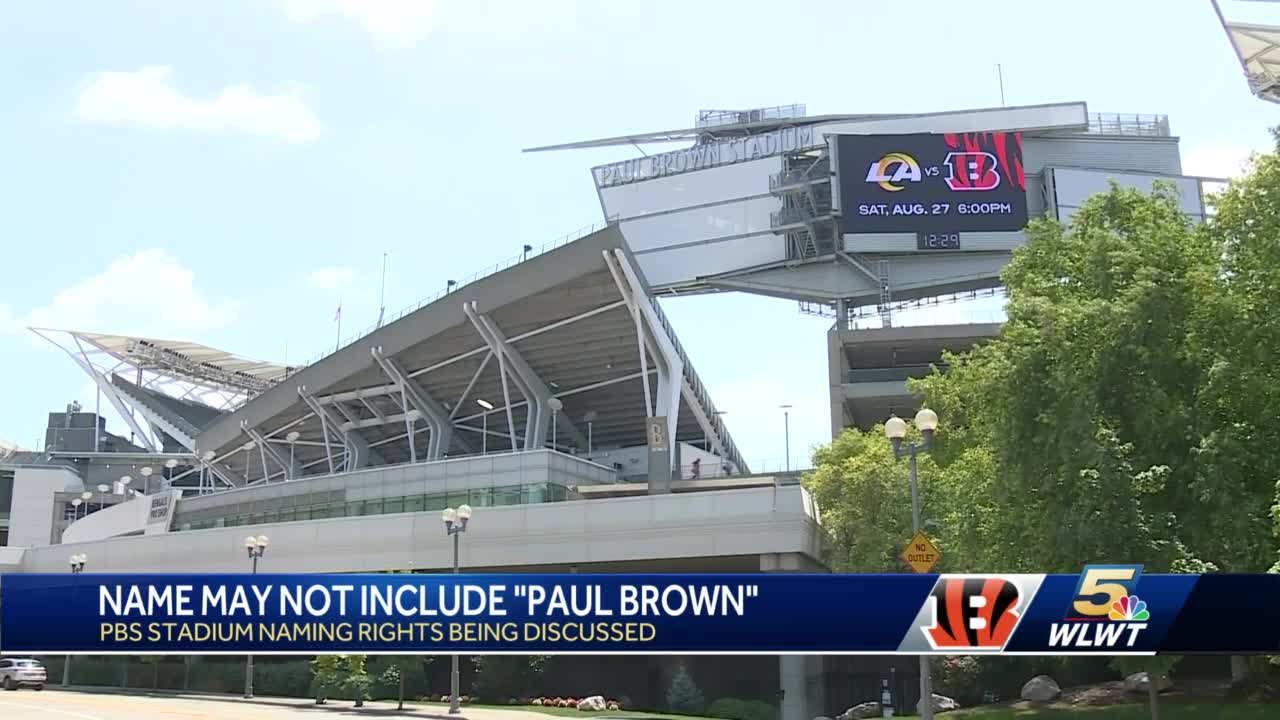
(973, 613)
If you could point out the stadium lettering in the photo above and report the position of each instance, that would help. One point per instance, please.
(701, 157)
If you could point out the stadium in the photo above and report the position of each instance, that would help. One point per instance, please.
(553, 396)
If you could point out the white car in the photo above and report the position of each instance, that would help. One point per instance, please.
(20, 672)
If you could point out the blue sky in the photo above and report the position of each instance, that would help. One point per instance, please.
(229, 172)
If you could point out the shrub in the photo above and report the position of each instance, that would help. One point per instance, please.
(501, 676)
(684, 696)
(738, 709)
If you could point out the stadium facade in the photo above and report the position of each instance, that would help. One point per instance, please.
(553, 395)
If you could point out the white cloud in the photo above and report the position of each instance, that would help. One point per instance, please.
(148, 99)
(147, 293)
(331, 278)
(394, 24)
(1216, 160)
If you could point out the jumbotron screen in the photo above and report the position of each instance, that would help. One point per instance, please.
(931, 183)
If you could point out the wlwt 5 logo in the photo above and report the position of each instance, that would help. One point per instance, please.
(1106, 612)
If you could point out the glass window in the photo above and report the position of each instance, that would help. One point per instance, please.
(509, 495)
(373, 507)
(534, 494)
(436, 502)
(287, 515)
(481, 497)
(393, 505)
(355, 508)
(415, 503)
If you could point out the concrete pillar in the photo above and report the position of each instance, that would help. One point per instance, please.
(800, 677)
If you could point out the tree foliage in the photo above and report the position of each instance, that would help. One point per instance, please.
(1123, 414)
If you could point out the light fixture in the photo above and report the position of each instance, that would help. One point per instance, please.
(485, 404)
(293, 436)
(927, 420)
(86, 495)
(207, 455)
(895, 428)
(249, 445)
(146, 471)
(171, 463)
(449, 515)
(464, 512)
(126, 479)
(103, 487)
(556, 404)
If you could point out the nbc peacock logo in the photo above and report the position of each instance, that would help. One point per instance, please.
(1129, 607)
(1105, 612)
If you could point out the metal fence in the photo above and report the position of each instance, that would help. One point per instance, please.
(1129, 124)
(716, 118)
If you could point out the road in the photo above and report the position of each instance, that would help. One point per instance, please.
(71, 705)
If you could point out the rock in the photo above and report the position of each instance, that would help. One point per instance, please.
(1041, 688)
(867, 709)
(941, 703)
(822, 717)
(594, 703)
(1139, 683)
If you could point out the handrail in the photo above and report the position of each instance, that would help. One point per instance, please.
(474, 277)
(1129, 124)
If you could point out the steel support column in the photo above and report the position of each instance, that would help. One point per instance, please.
(533, 387)
(436, 417)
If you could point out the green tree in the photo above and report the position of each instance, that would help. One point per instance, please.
(398, 667)
(326, 675)
(683, 696)
(355, 677)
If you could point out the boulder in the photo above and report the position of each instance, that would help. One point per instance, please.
(941, 703)
(860, 711)
(594, 703)
(1140, 683)
(1041, 688)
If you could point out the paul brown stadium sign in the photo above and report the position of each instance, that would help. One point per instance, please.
(701, 157)
(931, 183)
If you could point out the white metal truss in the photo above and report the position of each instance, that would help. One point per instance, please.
(413, 394)
(653, 341)
(331, 429)
(531, 385)
(265, 449)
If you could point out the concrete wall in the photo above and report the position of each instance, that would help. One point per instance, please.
(31, 514)
(722, 524)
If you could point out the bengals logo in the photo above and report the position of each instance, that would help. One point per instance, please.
(973, 612)
(972, 171)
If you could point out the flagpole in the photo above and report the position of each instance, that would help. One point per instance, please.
(338, 343)
(382, 295)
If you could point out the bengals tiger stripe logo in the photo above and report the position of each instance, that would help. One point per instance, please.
(973, 612)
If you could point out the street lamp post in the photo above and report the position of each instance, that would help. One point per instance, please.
(146, 479)
(75, 511)
(556, 405)
(292, 438)
(786, 432)
(84, 498)
(484, 425)
(77, 566)
(255, 546)
(895, 428)
(124, 484)
(169, 465)
(102, 491)
(590, 419)
(455, 523)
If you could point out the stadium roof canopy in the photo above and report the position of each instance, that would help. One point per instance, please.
(1258, 47)
(546, 352)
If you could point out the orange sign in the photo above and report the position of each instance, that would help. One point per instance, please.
(921, 554)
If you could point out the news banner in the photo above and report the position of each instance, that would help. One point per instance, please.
(1106, 609)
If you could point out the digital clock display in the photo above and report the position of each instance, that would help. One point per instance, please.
(937, 241)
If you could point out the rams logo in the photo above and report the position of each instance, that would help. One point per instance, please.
(890, 171)
(973, 613)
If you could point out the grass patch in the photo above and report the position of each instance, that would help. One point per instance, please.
(1137, 711)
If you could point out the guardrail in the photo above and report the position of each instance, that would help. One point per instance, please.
(1129, 124)
(893, 374)
(454, 285)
